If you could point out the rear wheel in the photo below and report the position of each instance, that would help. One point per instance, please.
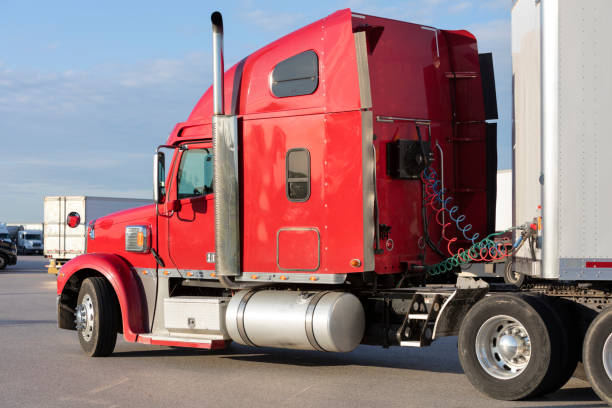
(510, 347)
(597, 355)
(96, 317)
(3, 262)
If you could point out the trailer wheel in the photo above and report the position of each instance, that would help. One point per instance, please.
(96, 318)
(3, 262)
(597, 355)
(511, 277)
(510, 347)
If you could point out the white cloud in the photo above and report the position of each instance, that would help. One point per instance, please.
(460, 7)
(273, 21)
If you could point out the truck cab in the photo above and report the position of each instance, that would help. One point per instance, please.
(30, 242)
(322, 194)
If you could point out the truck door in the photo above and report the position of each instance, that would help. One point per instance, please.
(191, 225)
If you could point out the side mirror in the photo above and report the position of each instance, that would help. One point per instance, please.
(159, 177)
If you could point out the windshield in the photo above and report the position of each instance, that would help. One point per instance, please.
(32, 236)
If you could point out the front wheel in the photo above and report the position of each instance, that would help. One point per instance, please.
(96, 317)
(3, 262)
(597, 355)
(509, 347)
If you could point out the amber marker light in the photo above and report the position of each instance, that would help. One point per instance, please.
(213, 275)
(140, 239)
(166, 273)
(189, 274)
(313, 278)
(283, 277)
(254, 276)
(355, 263)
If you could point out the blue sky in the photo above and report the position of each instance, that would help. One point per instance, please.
(87, 91)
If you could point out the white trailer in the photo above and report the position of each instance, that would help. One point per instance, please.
(63, 242)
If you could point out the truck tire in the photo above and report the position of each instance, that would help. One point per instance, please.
(3, 262)
(511, 346)
(597, 355)
(569, 341)
(96, 317)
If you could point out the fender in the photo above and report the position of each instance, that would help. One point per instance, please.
(120, 275)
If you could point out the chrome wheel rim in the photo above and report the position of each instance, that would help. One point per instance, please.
(607, 356)
(503, 347)
(85, 318)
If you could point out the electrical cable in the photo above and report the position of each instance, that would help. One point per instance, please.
(485, 250)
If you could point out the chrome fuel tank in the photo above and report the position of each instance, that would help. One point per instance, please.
(324, 321)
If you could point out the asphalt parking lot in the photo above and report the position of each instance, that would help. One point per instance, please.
(42, 366)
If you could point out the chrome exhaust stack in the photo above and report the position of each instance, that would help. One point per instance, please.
(218, 68)
(226, 182)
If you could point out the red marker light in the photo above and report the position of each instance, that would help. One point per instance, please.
(73, 220)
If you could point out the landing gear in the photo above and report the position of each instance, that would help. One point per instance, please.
(512, 347)
(597, 355)
(96, 317)
(512, 277)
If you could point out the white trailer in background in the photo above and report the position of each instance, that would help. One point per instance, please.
(63, 242)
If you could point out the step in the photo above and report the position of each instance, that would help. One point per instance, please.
(410, 343)
(182, 342)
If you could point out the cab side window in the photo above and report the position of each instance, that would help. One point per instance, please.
(195, 174)
(298, 175)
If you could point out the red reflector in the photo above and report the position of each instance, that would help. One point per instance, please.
(599, 264)
(73, 220)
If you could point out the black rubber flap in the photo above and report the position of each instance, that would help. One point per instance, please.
(488, 85)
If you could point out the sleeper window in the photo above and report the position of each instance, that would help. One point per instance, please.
(195, 173)
(298, 175)
(298, 75)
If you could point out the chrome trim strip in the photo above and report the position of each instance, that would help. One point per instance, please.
(240, 318)
(310, 319)
(435, 30)
(321, 279)
(550, 137)
(299, 229)
(363, 71)
(227, 195)
(369, 197)
(394, 118)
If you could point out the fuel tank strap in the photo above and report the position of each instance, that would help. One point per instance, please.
(310, 318)
(240, 318)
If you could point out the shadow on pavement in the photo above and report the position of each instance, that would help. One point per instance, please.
(369, 356)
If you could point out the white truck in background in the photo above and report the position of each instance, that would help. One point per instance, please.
(30, 241)
(66, 219)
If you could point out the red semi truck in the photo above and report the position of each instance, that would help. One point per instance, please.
(307, 206)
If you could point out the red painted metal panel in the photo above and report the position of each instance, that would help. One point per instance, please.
(330, 38)
(191, 227)
(120, 275)
(110, 235)
(335, 203)
(298, 249)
